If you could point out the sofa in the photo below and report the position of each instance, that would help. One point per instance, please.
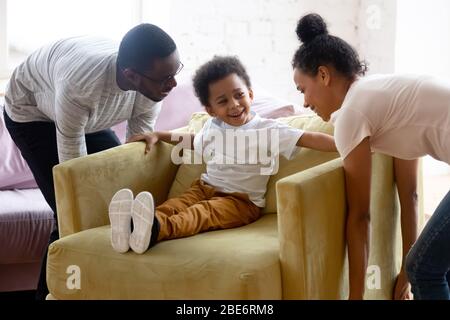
(26, 220)
(296, 250)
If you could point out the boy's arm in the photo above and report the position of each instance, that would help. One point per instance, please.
(152, 138)
(317, 140)
(175, 138)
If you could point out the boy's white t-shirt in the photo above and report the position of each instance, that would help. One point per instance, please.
(405, 116)
(241, 159)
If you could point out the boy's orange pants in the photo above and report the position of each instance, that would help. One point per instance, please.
(202, 208)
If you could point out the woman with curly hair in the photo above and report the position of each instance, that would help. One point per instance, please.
(403, 116)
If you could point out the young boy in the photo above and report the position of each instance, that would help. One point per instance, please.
(231, 192)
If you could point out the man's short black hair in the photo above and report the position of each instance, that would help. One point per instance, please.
(142, 44)
(214, 70)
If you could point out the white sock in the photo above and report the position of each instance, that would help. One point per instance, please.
(120, 209)
(142, 214)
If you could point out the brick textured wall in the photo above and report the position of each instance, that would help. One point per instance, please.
(377, 34)
(262, 34)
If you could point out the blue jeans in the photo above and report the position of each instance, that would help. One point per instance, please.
(428, 262)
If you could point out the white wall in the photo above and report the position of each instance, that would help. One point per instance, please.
(33, 23)
(157, 12)
(423, 47)
(377, 34)
(3, 40)
(423, 43)
(260, 32)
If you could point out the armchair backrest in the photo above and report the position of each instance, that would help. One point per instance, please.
(84, 186)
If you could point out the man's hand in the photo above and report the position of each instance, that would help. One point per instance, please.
(150, 138)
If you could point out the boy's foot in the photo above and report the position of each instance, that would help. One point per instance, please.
(120, 217)
(143, 214)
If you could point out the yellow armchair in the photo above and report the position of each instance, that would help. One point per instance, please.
(295, 251)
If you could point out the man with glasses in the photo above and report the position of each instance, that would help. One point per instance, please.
(62, 101)
(164, 82)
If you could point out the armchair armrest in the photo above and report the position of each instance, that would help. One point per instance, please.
(85, 186)
(311, 221)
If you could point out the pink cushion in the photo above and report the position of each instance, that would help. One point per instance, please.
(14, 171)
(121, 131)
(178, 107)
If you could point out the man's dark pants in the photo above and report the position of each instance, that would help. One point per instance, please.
(37, 144)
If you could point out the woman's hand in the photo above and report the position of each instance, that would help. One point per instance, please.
(402, 288)
(150, 138)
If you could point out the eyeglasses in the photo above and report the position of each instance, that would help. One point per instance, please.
(163, 82)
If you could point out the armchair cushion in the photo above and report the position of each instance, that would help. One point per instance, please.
(239, 263)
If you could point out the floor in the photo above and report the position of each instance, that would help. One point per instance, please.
(18, 295)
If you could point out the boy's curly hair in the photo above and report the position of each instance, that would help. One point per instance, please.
(214, 70)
